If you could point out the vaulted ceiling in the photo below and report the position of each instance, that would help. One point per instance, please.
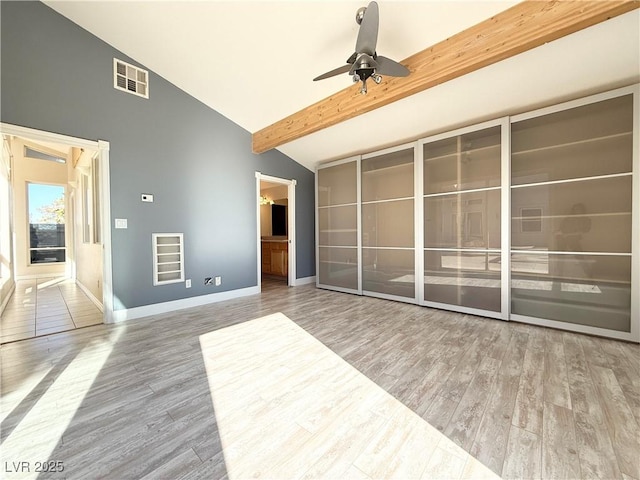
(254, 62)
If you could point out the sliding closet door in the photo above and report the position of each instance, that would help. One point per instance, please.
(462, 220)
(388, 251)
(337, 226)
(571, 199)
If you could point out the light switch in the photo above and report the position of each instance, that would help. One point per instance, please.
(121, 223)
(146, 197)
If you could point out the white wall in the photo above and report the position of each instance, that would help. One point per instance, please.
(88, 256)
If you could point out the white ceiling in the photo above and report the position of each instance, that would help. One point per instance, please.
(253, 61)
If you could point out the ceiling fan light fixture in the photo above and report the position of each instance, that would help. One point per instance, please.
(365, 62)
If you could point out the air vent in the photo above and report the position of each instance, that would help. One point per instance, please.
(130, 79)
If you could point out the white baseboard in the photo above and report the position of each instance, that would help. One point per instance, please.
(91, 296)
(8, 297)
(304, 281)
(165, 307)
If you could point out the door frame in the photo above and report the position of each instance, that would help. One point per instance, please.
(291, 219)
(105, 205)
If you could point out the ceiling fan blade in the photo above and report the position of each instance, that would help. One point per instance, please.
(391, 68)
(368, 33)
(334, 72)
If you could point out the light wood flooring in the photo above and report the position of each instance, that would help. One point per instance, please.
(138, 400)
(45, 306)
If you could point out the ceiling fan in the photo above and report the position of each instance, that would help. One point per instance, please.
(365, 63)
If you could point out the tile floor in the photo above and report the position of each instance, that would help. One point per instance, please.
(46, 305)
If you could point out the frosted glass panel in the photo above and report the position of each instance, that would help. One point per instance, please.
(389, 271)
(464, 220)
(464, 162)
(337, 184)
(388, 176)
(338, 267)
(388, 224)
(590, 290)
(465, 279)
(586, 141)
(338, 226)
(585, 216)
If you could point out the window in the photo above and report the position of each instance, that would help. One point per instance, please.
(90, 205)
(33, 153)
(95, 177)
(46, 223)
(85, 198)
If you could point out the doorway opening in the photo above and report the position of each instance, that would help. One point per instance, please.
(275, 201)
(54, 249)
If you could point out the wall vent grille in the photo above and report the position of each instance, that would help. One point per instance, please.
(131, 79)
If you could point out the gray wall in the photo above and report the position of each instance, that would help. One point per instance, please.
(198, 164)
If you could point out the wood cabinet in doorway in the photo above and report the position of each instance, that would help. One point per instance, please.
(275, 258)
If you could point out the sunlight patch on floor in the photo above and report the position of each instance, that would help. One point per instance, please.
(39, 432)
(51, 283)
(288, 407)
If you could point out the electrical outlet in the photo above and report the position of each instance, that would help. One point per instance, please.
(218, 281)
(208, 281)
(187, 284)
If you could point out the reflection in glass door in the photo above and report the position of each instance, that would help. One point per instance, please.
(337, 226)
(462, 220)
(388, 240)
(571, 200)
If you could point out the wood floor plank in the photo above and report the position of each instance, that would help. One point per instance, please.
(523, 458)
(559, 449)
(176, 466)
(465, 421)
(530, 397)
(392, 453)
(439, 412)
(459, 380)
(593, 351)
(556, 385)
(490, 443)
(620, 420)
(626, 372)
(443, 464)
(597, 457)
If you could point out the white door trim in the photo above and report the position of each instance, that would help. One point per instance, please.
(103, 148)
(291, 219)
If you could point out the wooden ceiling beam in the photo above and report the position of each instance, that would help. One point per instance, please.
(522, 27)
